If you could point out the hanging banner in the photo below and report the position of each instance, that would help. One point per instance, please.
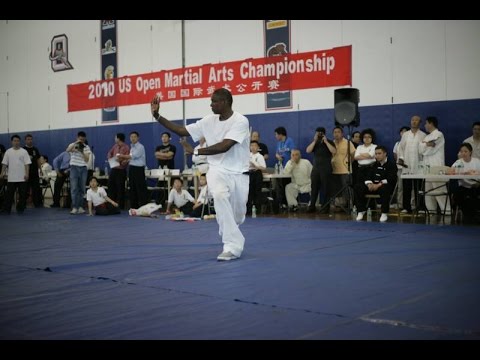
(308, 70)
(108, 51)
(277, 43)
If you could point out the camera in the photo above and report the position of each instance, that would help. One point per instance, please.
(79, 146)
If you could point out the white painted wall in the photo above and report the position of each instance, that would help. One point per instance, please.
(409, 61)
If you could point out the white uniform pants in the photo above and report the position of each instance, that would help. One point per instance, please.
(230, 195)
(431, 201)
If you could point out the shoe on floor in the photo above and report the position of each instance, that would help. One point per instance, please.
(74, 211)
(384, 217)
(226, 256)
(81, 211)
(360, 216)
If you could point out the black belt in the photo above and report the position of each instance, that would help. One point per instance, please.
(201, 164)
(246, 173)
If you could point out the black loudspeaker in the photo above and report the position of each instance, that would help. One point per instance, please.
(346, 107)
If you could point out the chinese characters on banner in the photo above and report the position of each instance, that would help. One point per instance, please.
(314, 69)
(108, 50)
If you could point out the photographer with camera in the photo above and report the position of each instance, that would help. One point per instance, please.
(79, 157)
(322, 149)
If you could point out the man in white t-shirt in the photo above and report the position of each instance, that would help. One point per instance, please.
(17, 160)
(228, 136)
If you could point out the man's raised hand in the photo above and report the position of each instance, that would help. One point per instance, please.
(155, 106)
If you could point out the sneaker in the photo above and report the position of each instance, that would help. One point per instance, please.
(81, 211)
(360, 216)
(384, 217)
(74, 211)
(226, 255)
(294, 208)
(405, 211)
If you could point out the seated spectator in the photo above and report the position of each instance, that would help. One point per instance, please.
(200, 161)
(202, 199)
(99, 201)
(300, 170)
(45, 168)
(380, 179)
(181, 198)
(467, 195)
(364, 155)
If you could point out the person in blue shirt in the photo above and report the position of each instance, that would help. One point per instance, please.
(285, 145)
(61, 164)
(283, 154)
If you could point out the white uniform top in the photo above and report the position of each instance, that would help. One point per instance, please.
(433, 156)
(362, 149)
(45, 169)
(97, 197)
(180, 199)
(408, 149)
(475, 146)
(236, 159)
(395, 151)
(258, 160)
(16, 161)
(300, 173)
(474, 164)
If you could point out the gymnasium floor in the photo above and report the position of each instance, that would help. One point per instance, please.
(300, 277)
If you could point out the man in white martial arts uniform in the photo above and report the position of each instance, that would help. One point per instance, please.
(228, 136)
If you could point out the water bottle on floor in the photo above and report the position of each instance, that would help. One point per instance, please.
(369, 214)
(254, 211)
(354, 213)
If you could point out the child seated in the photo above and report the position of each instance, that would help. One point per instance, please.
(202, 200)
(99, 201)
(180, 197)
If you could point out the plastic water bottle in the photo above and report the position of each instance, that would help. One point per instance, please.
(277, 169)
(354, 213)
(106, 168)
(459, 169)
(281, 168)
(420, 168)
(254, 211)
(369, 214)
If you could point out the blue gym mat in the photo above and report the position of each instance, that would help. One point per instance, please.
(121, 277)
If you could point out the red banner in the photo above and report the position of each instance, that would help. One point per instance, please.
(315, 69)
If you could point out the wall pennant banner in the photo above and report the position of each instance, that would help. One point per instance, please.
(277, 43)
(308, 70)
(108, 51)
(59, 53)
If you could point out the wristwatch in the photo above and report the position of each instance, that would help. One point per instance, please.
(195, 152)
